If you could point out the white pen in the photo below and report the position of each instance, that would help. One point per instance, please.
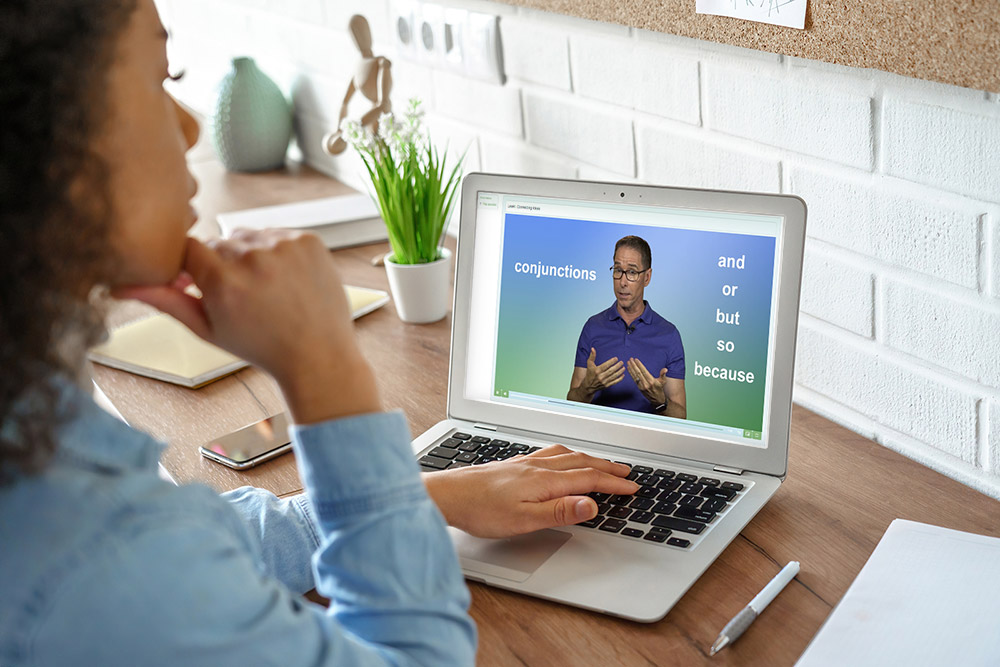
(742, 620)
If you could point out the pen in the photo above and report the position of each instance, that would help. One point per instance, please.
(742, 620)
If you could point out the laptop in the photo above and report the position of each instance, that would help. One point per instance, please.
(538, 282)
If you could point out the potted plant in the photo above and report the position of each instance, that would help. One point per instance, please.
(415, 194)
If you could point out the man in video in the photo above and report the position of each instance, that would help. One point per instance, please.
(630, 338)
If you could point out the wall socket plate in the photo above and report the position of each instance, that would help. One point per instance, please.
(448, 38)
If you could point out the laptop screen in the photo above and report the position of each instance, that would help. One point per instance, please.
(661, 318)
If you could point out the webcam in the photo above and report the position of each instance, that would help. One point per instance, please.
(623, 194)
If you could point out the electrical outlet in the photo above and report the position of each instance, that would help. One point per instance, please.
(448, 38)
(402, 23)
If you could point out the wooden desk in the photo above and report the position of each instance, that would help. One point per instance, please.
(841, 493)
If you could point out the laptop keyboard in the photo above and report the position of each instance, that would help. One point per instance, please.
(672, 507)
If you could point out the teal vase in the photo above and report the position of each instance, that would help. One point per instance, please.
(252, 124)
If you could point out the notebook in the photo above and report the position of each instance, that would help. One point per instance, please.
(536, 290)
(342, 221)
(162, 348)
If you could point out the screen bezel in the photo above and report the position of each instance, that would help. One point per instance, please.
(771, 459)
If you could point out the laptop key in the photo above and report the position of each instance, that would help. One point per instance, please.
(470, 447)
(620, 512)
(461, 436)
(685, 477)
(725, 494)
(631, 532)
(443, 453)
(691, 501)
(643, 470)
(458, 464)
(714, 504)
(485, 459)
(603, 508)
(669, 496)
(500, 443)
(648, 492)
(642, 503)
(451, 443)
(664, 508)
(489, 450)
(694, 514)
(648, 479)
(482, 440)
(612, 525)
(669, 484)
(519, 447)
(592, 523)
(621, 500)
(735, 486)
(655, 537)
(692, 488)
(434, 462)
(467, 457)
(632, 476)
(658, 529)
(599, 497)
(708, 481)
(663, 472)
(679, 542)
(683, 525)
(641, 517)
(532, 450)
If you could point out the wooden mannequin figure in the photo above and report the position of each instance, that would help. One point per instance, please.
(372, 77)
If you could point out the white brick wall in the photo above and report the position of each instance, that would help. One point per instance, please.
(901, 286)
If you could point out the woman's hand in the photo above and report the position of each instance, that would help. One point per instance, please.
(544, 489)
(274, 298)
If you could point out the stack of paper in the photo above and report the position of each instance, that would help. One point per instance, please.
(926, 596)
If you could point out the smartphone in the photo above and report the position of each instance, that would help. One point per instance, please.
(251, 444)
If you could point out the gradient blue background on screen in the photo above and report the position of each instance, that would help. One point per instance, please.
(540, 318)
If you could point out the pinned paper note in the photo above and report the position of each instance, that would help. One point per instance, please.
(788, 13)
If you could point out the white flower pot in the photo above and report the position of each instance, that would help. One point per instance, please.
(421, 291)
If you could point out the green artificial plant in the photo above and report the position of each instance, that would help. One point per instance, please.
(409, 183)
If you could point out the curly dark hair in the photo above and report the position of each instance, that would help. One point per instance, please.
(54, 209)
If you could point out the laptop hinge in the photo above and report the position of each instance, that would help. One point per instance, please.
(731, 471)
(485, 427)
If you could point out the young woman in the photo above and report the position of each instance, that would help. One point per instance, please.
(103, 563)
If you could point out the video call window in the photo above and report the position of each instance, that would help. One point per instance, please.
(650, 316)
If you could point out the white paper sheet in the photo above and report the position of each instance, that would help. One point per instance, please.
(926, 596)
(788, 13)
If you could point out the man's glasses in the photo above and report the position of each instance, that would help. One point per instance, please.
(631, 275)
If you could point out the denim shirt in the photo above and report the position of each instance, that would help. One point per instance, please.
(104, 563)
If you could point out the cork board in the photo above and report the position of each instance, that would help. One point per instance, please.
(950, 41)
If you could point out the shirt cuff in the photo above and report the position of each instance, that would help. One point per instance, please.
(360, 464)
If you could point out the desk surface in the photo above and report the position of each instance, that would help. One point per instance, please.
(841, 493)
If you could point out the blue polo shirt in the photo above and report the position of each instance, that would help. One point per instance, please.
(651, 339)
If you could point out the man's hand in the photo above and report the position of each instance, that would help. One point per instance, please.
(609, 373)
(653, 388)
(588, 381)
(525, 493)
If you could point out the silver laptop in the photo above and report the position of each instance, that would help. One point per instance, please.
(550, 281)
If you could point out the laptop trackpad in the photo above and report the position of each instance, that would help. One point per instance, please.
(514, 558)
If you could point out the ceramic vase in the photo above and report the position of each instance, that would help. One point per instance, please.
(252, 124)
(420, 291)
